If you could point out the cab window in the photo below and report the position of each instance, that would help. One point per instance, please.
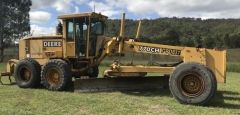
(70, 30)
(97, 27)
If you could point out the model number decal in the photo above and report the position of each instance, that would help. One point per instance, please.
(164, 51)
(52, 43)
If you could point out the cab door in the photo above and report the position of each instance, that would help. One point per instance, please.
(81, 37)
(70, 38)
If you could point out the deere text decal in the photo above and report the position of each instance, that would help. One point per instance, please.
(52, 43)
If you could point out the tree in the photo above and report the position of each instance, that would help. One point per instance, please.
(226, 41)
(171, 37)
(14, 22)
(185, 41)
(234, 41)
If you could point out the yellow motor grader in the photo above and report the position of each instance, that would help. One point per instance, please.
(80, 46)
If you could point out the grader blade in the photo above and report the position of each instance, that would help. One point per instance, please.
(120, 83)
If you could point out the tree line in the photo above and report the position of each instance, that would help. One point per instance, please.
(194, 32)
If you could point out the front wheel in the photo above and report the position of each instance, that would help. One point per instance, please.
(192, 83)
(56, 75)
(93, 72)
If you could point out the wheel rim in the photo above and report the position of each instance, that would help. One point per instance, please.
(53, 77)
(192, 85)
(25, 74)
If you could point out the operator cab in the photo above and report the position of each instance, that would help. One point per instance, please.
(82, 33)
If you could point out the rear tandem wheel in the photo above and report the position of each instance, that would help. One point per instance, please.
(27, 73)
(56, 75)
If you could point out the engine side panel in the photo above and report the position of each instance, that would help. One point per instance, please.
(41, 48)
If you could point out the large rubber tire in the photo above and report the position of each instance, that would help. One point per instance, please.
(27, 73)
(56, 75)
(215, 80)
(192, 83)
(93, 72)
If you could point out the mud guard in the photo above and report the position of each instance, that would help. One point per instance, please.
(216, 61)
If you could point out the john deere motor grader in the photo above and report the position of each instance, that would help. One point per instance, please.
(81, 46)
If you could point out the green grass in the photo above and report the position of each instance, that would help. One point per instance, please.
(233, 67)
(2, 66)
(233, 55)
(14, 100)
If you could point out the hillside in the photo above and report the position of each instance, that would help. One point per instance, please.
(211, 33)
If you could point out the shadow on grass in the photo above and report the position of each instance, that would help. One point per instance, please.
(218, 100)
(230, 93)
(149, 93)
(222, 96)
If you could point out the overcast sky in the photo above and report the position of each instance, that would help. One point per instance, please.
(44, 12)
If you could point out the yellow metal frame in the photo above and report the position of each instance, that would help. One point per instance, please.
(215, 60)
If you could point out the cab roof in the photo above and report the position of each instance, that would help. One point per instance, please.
(78, 15)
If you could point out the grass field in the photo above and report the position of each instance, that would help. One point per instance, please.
(14, 100)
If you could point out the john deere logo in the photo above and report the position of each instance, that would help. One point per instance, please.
(52, 43)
